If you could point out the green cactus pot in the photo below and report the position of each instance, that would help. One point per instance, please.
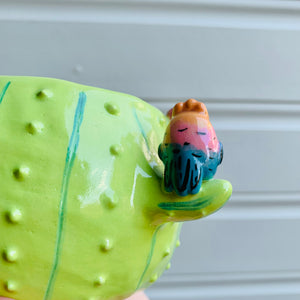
(82, 211)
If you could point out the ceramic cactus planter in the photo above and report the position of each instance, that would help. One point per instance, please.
(83, 211)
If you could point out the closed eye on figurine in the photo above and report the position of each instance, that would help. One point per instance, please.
(201, 133)
(181, 130)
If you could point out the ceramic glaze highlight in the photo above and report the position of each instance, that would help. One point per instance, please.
(81, 206)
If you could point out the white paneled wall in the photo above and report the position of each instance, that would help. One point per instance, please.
(243, 59)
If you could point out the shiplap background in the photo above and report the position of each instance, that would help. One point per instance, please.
(243, 59)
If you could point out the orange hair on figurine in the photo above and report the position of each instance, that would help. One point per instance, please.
(190, 105)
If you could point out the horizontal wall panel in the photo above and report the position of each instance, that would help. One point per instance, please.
(230, 13)
(234, 260)
(217, 246)
(157, 61)
(227, 286)
(254, 206)
(261, 161)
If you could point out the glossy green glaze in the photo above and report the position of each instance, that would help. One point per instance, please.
(82, 212)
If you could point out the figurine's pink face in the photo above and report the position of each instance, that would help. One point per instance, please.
(192, 128)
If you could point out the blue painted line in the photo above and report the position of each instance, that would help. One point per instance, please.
(4, 91)
(141, 129)
(153, 242)
(70, 158)
(187, 205)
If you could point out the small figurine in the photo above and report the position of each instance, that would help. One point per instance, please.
(190, 151)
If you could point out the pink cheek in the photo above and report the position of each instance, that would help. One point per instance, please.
(201, 141)
(199, 144)
(178, 137)
(214, 145)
